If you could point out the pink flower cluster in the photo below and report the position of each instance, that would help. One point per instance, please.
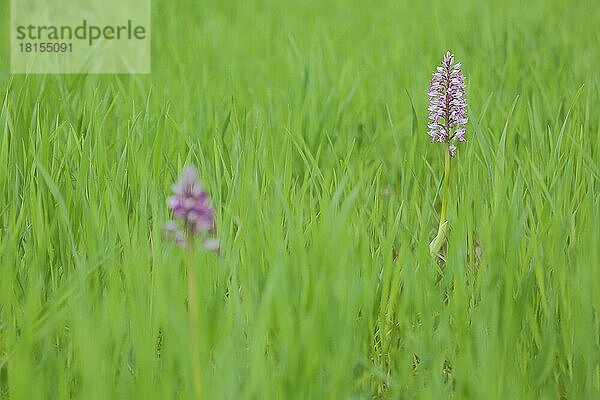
(447, 104)
(191, 204)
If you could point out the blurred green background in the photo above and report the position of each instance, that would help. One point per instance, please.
(307, 121)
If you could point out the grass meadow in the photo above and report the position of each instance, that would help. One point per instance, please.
(307, 121)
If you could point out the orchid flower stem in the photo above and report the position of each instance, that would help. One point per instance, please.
(437, 242)
(445, 189)
(193, 327)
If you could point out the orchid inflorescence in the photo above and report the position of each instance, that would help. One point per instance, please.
(190, 203)
(447, 104)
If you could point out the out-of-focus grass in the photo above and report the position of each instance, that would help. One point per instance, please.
(307, 122)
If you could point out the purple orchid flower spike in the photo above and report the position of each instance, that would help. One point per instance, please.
(447, 104)
(190, 203)
(448, 117)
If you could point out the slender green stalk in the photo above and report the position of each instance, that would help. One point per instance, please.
(437, 243)
(445, 189)
(193, 327)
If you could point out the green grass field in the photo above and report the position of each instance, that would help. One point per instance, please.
(307, 121)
